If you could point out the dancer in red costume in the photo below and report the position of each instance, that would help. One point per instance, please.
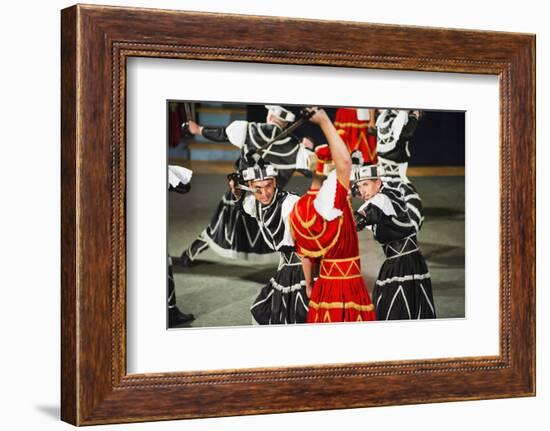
(357, 128)
(324, 232)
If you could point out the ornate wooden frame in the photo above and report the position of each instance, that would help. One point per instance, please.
(95, 43)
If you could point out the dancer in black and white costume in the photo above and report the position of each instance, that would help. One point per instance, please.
(394, 129)
(403, 289)
(283, 299)
(228, 234)
(179, 181)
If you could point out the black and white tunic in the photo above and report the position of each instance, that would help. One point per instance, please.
(403, 289)
(232, 234)
(411, 198)
(394, 130)
(283, 299)
(229, 234)
(286, 154)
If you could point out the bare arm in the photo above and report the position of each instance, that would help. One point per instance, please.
(338, 149)
(372, 119)
(307, 266)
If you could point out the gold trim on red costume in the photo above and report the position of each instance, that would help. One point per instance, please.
(340, 269)
(328, 306)
(303, 231)
(338, 124)
(321, 251)
(347, 305)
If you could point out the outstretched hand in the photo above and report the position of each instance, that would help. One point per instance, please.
(194, 128)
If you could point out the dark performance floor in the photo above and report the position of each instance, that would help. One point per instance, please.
(219, 292)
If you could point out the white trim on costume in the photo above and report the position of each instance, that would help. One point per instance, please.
(249, 205)
(286, 208)
(326, 197)
(179, 174)
(382, 201)
(399, 290)
(404, 278)
(262, 301)
(303, 157)
(427, 299)
(387, 141)
(363, 114)
(233, 254)
(236, 132)
(286, 289)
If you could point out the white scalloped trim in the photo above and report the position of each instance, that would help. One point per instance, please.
(179, 174)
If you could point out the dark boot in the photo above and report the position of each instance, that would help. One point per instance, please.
(176, 317)
(188, 257)
(186, 261)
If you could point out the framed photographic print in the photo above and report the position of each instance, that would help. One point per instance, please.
(268, 218)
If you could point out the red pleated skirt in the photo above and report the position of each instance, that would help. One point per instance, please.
(340, 294)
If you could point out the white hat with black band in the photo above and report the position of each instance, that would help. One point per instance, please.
(281, 113)
(366, 172)
(258, 173)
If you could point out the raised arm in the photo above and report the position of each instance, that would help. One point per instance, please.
(338, 149)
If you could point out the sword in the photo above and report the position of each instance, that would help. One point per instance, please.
(189, 115)
(245, 188)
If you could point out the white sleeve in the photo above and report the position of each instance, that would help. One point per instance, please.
(381, 118)
(302, 157)
(286, 208)
(179, 174)
(324, 201)
(249, 205)
(399, 122)
(363, 114)
(236, 132)
(381, 201)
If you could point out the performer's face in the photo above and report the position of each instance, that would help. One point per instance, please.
(275, 120)
(368, 188)
(263, 190)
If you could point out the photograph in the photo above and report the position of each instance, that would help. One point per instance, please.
(280, 214)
